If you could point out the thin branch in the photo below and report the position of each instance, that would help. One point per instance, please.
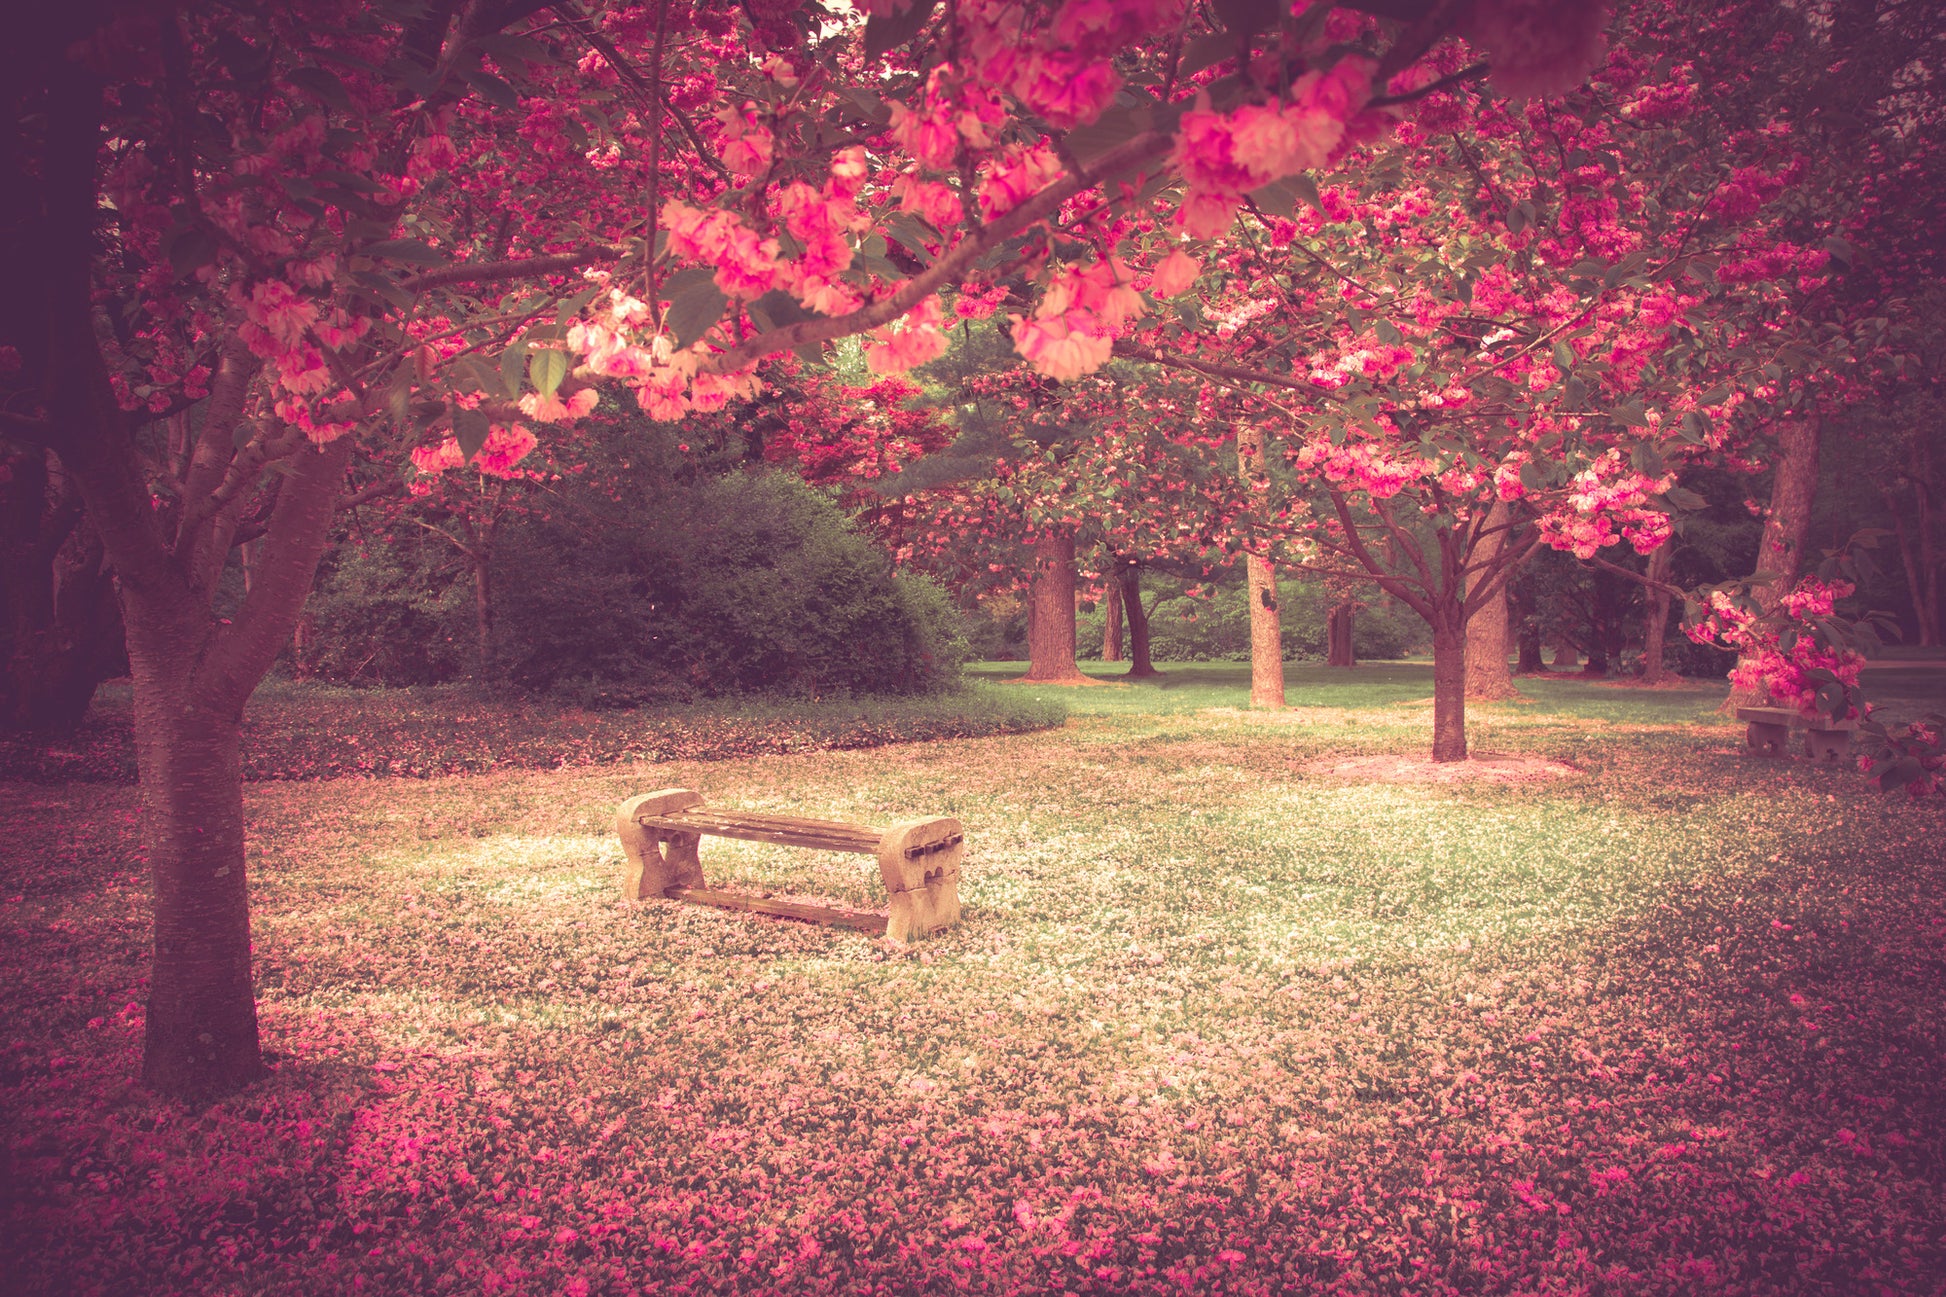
(484, 272)
(949, 269)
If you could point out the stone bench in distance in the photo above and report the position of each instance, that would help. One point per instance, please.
(918, 861)
(1769, 733)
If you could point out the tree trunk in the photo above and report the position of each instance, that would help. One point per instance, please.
(1337, 633)
(1565, 656)
(1781, 551)
(60, 629)
(1655, 626)
(201, 1039)
(1487, 677)
(1266, 629)
(1266, 635)
(1050, 614)
(482, 616)
(1139, 665)
(1111, 621)
(1918, 553)
(1527, 632)
(1448, 688)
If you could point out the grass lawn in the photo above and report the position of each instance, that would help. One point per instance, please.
(1215, 1022)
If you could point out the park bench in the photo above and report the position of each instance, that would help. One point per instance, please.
(918, 860)
(1769, 733)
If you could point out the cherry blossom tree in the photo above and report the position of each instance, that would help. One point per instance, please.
(377, 224)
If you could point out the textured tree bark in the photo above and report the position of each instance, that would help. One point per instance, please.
(1780, 552)
(1918, 552)
(482, 615)
(1565, 655)
(1448, 688)
(1111, 621)
(1139, 665)
(62, 631)
(1337, 634)
(1655, 624)
(1527, 632)
(1487, 677)
(1266, 635)
(1050, 616)
(1266, 627)
(201, 1039)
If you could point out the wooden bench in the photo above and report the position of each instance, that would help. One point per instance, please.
(919, 861)
(1828, 740)
(1769, 733)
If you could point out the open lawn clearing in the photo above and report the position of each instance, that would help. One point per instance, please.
(1212, 1023)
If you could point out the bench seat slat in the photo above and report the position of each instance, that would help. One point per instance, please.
(828, 835)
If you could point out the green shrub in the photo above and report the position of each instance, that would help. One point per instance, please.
(748, 581)
(388, 613)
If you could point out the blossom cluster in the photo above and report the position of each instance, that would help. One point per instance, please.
(1782, 654)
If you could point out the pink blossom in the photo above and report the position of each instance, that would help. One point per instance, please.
(1016, 177)
(909, 341)
(1059, 347)
(1174, 274)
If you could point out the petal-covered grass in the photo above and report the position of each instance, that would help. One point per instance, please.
(311, 731)
(1213, 1023)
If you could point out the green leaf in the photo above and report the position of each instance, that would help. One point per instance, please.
(1630, 414)
(384, 288)
(470, 431)
(1115, 127)
(1388, 333)
(491, 88)
(416, 251)
(545, 370)
(912, 234)
(776, 309)
(694, 307)
(1248, 17)
(1682, 497)
(320, 85)
(1563, 355)
(1281, 197)
(512, 362)
(517, 48)
(191, 250)
(1206, 52)
(886, 32)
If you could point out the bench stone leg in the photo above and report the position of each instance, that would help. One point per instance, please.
(657, 859)
(1827, 745)
(1767, 740)
(919, 861)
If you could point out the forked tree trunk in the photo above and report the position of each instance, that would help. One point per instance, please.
(1050, 614)
(1655, 625)
(1487, 677)
(1338, 650)
(1448, 687)
(1781, 551)
(1139, 665)
(1111, 621)
(1266, 635)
